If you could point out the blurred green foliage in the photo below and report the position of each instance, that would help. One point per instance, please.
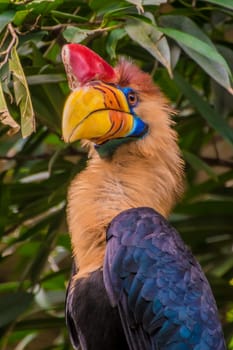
(187, 48)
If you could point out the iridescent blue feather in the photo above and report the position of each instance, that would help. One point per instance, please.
(163, 297)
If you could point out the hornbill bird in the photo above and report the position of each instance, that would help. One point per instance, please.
(135, 285)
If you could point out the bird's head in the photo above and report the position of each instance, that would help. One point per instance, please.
(108, 106)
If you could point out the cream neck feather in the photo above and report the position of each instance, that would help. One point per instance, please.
(148, 172)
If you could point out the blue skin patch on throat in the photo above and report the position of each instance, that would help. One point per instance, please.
(139, 128)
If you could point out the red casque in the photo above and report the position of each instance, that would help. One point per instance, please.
(83, 65)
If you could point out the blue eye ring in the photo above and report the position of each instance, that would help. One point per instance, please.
(131, 96)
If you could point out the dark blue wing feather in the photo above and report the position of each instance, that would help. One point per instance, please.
(164, 299)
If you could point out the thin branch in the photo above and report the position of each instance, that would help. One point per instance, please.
(55, 27)
(4, 38)
(106, 29)
(32, 27)
(94, 31)
(14, 40)
(77, 10)
(218, 162)
(215, 146)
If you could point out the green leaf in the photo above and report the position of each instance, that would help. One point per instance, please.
(219, 206)
(97, 5)
(208, 113)
(115, 12)
(76, 35)
(45, 79)
(41, 258)
(224, 3)
(12, 305)
(199, 47)
(199, 164)
(186, 25)
(26, 341)
(223, 267)
(196, 45)
(45, 112)
(22, 95)
(5, 18)
(53, 52)
(43, 6)
(69, 16)
(4, 4)
(20, 17)
(151, 39)
(10, 286)
(112, 41)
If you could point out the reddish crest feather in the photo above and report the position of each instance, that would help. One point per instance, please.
(128, 74)
(83, 65)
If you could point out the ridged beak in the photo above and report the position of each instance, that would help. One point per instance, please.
(97, 112)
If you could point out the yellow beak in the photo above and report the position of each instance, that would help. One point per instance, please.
(97, 112)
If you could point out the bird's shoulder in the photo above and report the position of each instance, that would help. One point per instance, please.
(152, 275)
(145, 228)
